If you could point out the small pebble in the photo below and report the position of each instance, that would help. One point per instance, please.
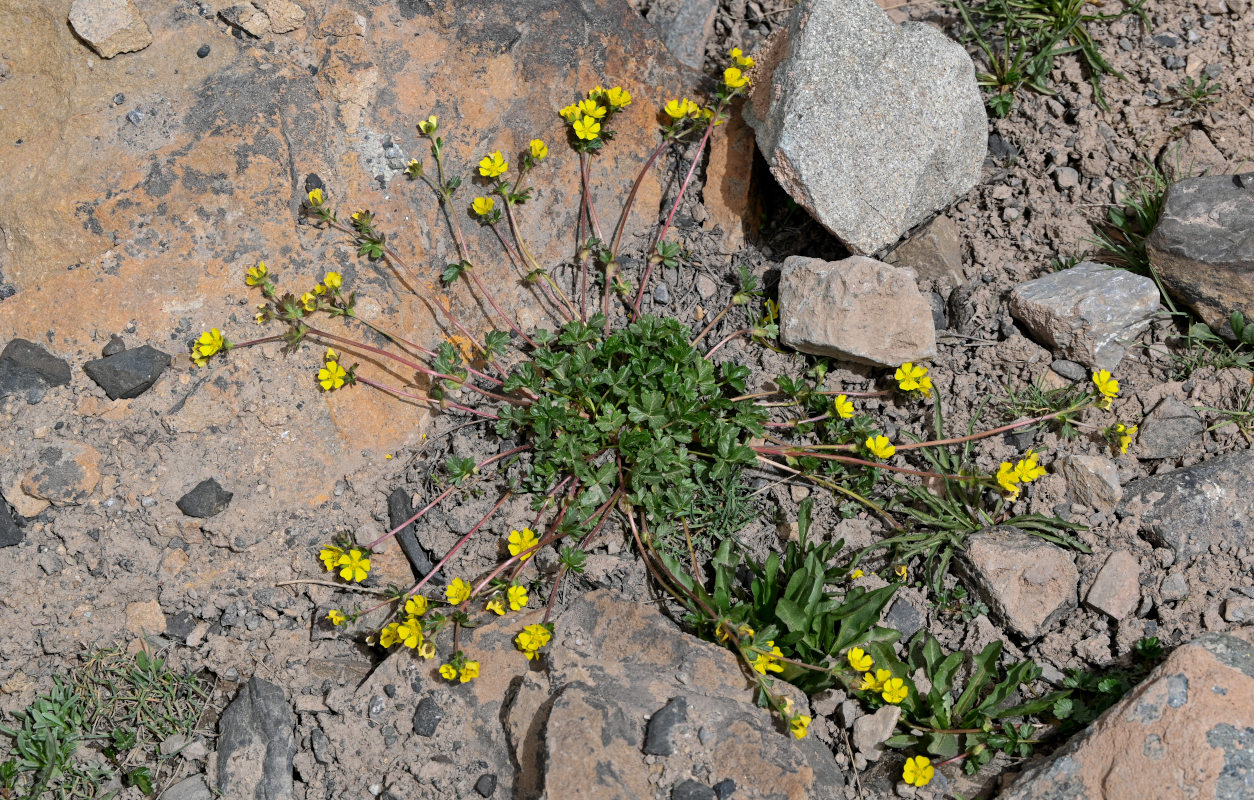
(119, 99)
(1194, 37)
(661, 294)
(1166, 40)
(1213, 71)
(203, 51)
(1066, 177)
(1126, 44)
(135, 116)
(1010, 213)
(1173, 62)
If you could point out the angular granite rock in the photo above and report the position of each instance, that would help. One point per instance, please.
(1088, 313)
(858, 309)
(1203, 246)
(1186, 731)
(872, 127)
(110, 26)
(1028, 583)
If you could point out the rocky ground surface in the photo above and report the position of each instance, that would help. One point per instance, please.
(150, 503)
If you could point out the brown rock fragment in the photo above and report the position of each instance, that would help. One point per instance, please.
(65, 475)
(1028, 583)
(1117, 588)
(110, 26)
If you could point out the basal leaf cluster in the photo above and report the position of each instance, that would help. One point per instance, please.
(640, 408)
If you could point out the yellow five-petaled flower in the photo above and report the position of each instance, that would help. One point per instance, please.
(879, 446)
(337, 617)
(315, 197)
(520, 541)
(734, 78)
(483, 206)
(918, 771)
(742, 60)
(618, 97)
(333, 280)
(843, 407)
(1107, 385)
(354, 566)
(539, 150)
(678, 109)
(331, 376)
(768, 661)
(517, 596)
(1125, 434)
(894, 690)
(257, 275)
(587, 128)
(493, 165)
(799, 726)
(457, 592)
(859, 660)
(913, 377)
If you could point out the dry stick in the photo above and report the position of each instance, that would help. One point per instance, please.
(692, 168)
(792, 423)
(424, 351)
(262, 340)
(421, 398)
(349, 587)
(846, 392)
(583, 545)
(414, 365)
(834, 487)
(799, 452)
(730, 305)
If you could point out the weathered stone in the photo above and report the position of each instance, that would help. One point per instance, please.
(486, 785)
(858, 309)
(1117, 588)
(1174, 587)
(24, 504)
(688, 789)
(28, 369)
(256, 744)
(1028, 583)
(206, 499)
(65, 473)
(110, 26)
(727, 194)
(284, 15)
(685, 25)
(934, 252)
(1239, 610)
(427, 717)
(145, 618)
(1092, 480)
(1203, 246)
(659, 736)
(1168, 430)
(400, 509)
(870, 126)
(870, 731)
(11, 532)
(1191, 156)
(904, 617)
(193, 788)
(1193, 508)
(1088, 313)
(129, 373)
(1188, 725)
(248, 18)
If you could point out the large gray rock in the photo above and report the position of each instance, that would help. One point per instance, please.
(872, 127)
(685, 26)
(1186, 731)
(1168, 430)
(858, 309)
(110, 26)
(1088, 313)
(1028, 583)
(256, 744)
(1203, 246)
(1190, 509)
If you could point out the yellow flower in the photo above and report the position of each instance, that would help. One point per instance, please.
(872, 683)
(336, 617)
(734, 78)
(517, 596)
(457, 592)
(925, 386)
(210, 342)
(333, 280)
(767, 661)
(497, 606)
(493, 165)
(309, 301)
(894, 690)
(901, 571)
(570, 113)
(799, 726)
(331, 376)
(469, 672)
(256, 275)
(483, 206)
(741, 59)
(531, 639)
(387, 636)
(315, 198)
(330, 355)
(1107, 385)
(522, 540)
(1008, 479)
(409, 633)
(591, 108)
(330, 556)
(859, 660)
(857, 573)
(320, 290)
(429, 125)
(416, 606)
(879, 446)
(678, 109)
(355, 566)
(587, 128)
(918, 771)
(539, 150)
(426, 650)
(909, 375)
(1125, 436)
(618, 97)
(1027, 468)
(842, 406)
(448, 671)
